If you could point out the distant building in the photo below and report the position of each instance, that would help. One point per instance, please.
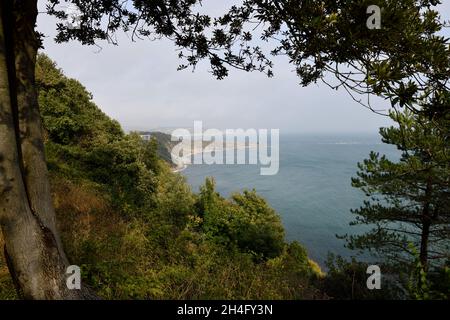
(146, 137)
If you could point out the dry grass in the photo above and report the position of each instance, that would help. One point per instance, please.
(82, 215)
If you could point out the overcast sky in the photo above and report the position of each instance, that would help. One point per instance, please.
(137, 84)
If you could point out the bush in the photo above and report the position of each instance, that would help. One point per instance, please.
(246, 221)
(347, 280)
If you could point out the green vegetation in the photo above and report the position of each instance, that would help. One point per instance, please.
(409, 200)
(136, 228)
(347, 280)
(409, 206)
(163, 143)
(139, 232)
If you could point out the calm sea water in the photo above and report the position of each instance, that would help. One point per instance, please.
(312, 191)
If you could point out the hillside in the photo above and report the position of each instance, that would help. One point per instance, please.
(165, 144)
(138, 231)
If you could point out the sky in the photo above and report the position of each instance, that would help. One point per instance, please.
(137, 83)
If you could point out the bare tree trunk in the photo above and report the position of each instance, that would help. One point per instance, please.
(34, 253)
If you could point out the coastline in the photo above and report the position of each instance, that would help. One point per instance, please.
(183, 162)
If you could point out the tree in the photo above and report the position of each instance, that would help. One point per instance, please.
(35, 256)
(406, 61)
(245, 221)
(328, 32)
(409, 199)
(33, 249)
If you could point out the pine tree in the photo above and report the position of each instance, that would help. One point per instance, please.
(409, 200)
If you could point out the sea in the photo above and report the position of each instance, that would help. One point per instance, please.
(312, 191)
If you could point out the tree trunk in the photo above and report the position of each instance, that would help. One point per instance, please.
(34, 253)
(426, 225)
(31, 137)
(424, 245)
